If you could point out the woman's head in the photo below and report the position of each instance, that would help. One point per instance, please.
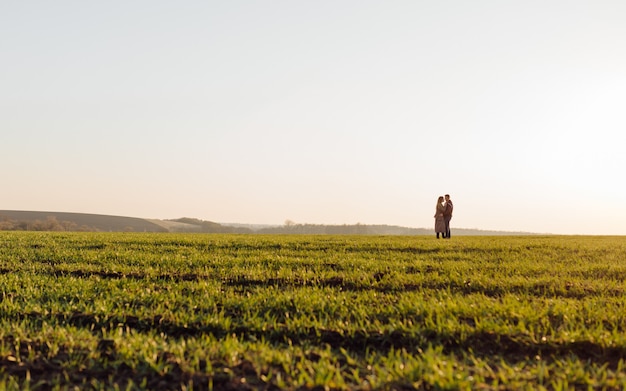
(440, 200)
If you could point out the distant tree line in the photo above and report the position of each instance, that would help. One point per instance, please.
(210, 227)
(52, 223)
(344, 229)
(363, 229)
(49, 224)
(292, 228)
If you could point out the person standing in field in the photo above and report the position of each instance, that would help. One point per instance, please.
(440, 224)
(447, 215)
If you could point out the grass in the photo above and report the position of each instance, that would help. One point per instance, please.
(246, 312)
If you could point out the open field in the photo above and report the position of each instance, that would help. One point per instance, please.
(255, 312)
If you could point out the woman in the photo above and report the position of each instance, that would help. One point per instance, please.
(440, 224)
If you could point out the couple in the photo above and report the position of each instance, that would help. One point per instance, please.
(443, 215)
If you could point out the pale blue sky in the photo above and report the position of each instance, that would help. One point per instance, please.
(325, 112)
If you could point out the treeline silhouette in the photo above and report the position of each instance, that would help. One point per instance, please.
(49, 224)
(66, 221)
(203, 226)
(57, 221)
(344, 229)
(364, 229)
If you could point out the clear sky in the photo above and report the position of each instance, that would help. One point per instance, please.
(324, 112)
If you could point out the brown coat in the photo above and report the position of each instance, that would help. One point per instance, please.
(440, 224)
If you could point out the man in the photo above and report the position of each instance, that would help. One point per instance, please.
(447, 215)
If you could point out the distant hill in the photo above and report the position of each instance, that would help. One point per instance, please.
(65, 221)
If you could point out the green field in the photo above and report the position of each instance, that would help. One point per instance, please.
(248, 312)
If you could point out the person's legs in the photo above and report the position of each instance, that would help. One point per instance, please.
(447, 232)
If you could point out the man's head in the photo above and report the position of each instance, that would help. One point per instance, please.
(447, 197)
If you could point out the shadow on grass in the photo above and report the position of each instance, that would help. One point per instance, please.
(34, 361)
(537, 289)
(512, 348)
